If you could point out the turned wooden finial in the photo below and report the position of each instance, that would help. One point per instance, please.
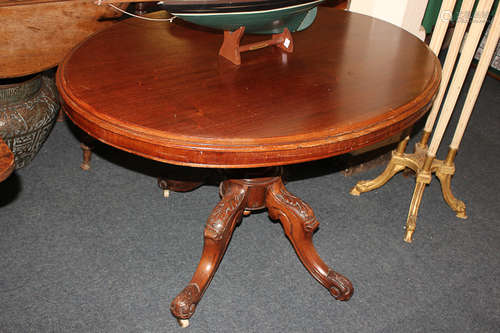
(231, 48)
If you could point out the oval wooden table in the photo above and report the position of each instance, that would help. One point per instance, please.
(160, 90)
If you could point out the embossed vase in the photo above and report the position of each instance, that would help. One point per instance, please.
(28, 110)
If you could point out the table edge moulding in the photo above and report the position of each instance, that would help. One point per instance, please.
(242, 153)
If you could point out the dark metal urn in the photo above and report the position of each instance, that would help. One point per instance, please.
(28, 110)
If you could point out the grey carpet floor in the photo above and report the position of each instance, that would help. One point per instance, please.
(103, 251)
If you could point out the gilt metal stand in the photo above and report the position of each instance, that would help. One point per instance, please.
(423, 161)
(423, 168)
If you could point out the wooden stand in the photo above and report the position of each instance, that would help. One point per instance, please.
(231, 47)
(423, 161)
(241, 196)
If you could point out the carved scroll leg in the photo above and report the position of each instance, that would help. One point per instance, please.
(218, 231)
(392, 168)
(299, 223)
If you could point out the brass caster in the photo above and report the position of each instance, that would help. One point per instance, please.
(247, 212)
(408, 236)
(85, 166)
(355, 191)
(183, 322)
(411, 224)
(166, 193)
(462, 214)
(459, 208)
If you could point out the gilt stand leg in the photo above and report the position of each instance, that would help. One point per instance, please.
(391, 169)
(299, 223)
(423, 179)
(411, 221)
(218, 231)
(444, 174)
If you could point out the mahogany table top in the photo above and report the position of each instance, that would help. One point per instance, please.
(160, 90)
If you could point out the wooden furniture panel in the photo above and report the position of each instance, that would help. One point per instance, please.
(37, 36)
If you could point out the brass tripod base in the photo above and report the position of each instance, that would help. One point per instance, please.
(424, 166)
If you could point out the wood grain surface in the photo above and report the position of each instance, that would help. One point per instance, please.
(6, 161)
(159, 90)
(36, 36)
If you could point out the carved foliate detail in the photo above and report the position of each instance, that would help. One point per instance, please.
(184, 305)
(339, 286)
(299, 207)
(224, 212)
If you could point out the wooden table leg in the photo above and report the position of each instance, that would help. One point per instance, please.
(242, 196)
(86, 144)
(299, 223)
(218, 231)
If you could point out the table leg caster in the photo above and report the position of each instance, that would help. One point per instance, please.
(183, 322)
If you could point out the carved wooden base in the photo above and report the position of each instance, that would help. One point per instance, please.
(424, 166)
(239, 197)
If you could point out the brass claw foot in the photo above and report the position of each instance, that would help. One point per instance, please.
(368, 185)
(458, 206)
(392, 168)
(299, 223)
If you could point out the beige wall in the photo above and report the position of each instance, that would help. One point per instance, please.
(407, 14)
